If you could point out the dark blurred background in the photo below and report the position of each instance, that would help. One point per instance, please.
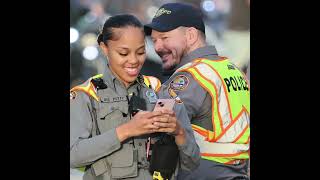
(227, 27)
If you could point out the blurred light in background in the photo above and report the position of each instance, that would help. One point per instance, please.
(90, 53)
(88, 39)
(74, 35)
(208, 5)
(151, 11)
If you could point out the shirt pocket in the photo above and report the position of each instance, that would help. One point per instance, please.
(111, 115)
(120, 164)
(124, 163)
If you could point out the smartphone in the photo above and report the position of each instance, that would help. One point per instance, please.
(164, 104)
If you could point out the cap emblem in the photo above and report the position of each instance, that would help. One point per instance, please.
(161, 12)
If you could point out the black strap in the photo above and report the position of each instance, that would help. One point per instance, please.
(94, 115)
(99, 84)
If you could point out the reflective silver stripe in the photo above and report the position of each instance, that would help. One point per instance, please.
(235, 130)
(219, 148)
(184, 66)
(208, 73)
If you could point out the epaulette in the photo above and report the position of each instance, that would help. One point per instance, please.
(90, 87)
(152, 82)
(98, 82)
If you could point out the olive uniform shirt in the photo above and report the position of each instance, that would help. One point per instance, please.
(85, 149)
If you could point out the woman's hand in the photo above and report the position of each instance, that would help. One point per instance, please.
(169, 124)
(141, 123)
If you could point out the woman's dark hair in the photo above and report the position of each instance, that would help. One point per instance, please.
(117, 21)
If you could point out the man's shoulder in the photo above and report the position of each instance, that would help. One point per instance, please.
(184, 84)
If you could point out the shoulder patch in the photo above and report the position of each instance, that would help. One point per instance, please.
(152, 97)
(179, 83)
(73, 95)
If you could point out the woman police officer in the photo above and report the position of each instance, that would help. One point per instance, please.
(104, 135)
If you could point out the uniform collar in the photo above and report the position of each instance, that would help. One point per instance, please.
(140, 80)
(198, 53)
(108, 77)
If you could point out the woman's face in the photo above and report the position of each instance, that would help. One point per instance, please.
(126, 53)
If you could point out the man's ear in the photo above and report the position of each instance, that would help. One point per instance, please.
(192, 36)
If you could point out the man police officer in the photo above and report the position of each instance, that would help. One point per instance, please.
(214, 91)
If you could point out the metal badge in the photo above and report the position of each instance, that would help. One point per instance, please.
(152, 97)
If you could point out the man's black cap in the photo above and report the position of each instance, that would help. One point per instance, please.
(173, 15)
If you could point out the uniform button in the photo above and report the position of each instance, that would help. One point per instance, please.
(140, 144)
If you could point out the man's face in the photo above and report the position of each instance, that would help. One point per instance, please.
(171, 46)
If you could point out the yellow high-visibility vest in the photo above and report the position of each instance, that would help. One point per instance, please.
(228, 143)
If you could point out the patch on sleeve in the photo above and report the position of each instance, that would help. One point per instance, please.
(174, 96)
(152, 97)
(179, 83)
(73, 95)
